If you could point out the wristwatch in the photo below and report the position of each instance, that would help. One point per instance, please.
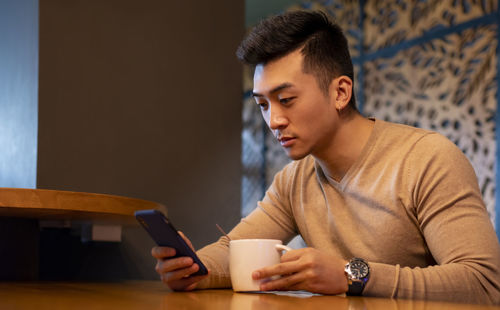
(357, 272)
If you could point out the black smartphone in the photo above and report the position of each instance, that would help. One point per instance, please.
(164, 234)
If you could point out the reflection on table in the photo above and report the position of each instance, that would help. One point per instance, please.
(153, 295)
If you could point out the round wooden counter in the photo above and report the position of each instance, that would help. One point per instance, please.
(45, 204)
(25, 214)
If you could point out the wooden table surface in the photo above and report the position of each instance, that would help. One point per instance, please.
(46, 204)
(153, 295)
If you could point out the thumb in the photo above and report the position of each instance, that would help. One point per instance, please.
(187, 240)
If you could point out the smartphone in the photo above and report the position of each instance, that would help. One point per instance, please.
(164, 234)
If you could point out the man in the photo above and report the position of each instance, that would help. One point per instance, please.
(386, 209)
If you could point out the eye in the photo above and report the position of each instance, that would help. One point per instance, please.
(287, 100)
(262, 105)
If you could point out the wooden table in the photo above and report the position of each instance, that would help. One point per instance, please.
(43, 204)
(154, 295)
(22, 210)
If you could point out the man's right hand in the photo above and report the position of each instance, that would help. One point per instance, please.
(176, 272)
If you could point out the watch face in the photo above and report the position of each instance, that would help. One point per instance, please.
(359, 269)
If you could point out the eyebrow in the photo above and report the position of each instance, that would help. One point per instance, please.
(274, 90)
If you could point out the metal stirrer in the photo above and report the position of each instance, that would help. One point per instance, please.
(222, 231)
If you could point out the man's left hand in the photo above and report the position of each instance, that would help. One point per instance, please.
(305, 269)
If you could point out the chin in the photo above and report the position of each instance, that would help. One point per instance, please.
(296, 156)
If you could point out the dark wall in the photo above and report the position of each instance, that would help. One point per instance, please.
(143, 99)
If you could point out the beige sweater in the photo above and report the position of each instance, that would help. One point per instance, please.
(410, 206)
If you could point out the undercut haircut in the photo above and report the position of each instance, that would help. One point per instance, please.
(321, 41)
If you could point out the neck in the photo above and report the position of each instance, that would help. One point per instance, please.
(346, 145)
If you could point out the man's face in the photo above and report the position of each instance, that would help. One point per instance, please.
(298, 113)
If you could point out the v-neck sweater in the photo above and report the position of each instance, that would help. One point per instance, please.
(410, 206)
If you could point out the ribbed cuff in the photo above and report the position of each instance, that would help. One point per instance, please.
(383, 280)
(217, 277)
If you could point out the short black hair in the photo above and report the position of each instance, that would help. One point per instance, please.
(322, 42)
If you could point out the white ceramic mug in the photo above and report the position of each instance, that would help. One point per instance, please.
(248, 255)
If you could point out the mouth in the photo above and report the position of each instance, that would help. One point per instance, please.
(286, 141)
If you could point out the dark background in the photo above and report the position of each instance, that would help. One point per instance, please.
(135, 98)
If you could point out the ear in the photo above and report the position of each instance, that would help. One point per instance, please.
(341, 91)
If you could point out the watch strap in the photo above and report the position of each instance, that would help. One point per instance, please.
(355, 288)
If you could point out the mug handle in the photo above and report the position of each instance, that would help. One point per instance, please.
(282, 247)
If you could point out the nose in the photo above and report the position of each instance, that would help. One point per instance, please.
(277, 119)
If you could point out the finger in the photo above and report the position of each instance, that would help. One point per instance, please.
(300, 286)
(276, 270)
(169, 265)
(290, 282)
(186, 239)
(186, 284)
(161, 252)
(294, 254)
(179, 274)
(191, 286)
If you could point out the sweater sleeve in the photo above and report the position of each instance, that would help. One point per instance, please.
(447, 203)
(272, 219)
